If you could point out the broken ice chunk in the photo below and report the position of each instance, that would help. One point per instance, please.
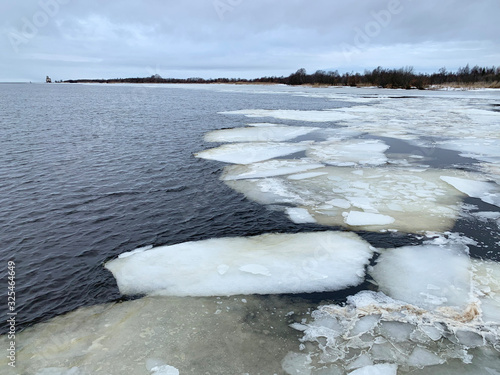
(421, 357)
(398, 273)
(299, 215)
(380, 369)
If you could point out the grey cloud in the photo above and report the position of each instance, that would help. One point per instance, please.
(259, 37)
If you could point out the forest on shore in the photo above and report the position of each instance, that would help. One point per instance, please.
(405, 78)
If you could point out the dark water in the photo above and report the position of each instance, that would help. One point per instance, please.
(89, 172)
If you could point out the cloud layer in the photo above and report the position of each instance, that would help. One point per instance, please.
(241, 38)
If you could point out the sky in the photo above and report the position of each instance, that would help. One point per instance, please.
(71, 39)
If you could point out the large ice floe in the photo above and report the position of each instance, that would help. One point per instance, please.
(265, 264)
(163, 336)
(436, 310)
(370, 199)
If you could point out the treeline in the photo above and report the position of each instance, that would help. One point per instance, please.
(405, 78)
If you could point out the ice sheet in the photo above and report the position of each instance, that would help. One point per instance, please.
(159, 335)
(246, 153)
(278, 133)
(270, 263)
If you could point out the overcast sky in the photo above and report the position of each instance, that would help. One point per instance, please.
(69, 39)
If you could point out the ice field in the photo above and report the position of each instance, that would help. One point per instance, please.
(381, 163)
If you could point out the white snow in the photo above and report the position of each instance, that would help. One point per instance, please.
(270, 263)
(278, 133)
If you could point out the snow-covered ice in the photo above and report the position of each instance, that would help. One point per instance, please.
(269, 263)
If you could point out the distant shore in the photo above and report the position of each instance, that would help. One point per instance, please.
(448, 86)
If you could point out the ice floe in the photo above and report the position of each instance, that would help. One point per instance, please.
(246, 153)
(269, 168)
(349, 152)
(270, 263)
(277, 133)
(488, 192)
(370, 198)
(163, 335)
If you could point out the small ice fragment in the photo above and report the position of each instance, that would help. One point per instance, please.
(342, 203)
(299, 215)
(421, 357)
(433, 332)
(362, 361)
(164, 370)
(364, 324)
(380, 369)
(396, 331)
(469, 339)
(298, 326)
